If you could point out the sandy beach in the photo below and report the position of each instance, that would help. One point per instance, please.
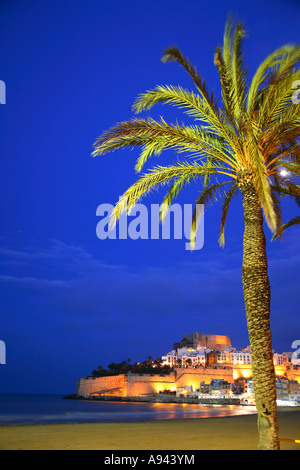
(228, 433)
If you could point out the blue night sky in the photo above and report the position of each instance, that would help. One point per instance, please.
(70, 301)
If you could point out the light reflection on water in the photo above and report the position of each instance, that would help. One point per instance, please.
(38, 409)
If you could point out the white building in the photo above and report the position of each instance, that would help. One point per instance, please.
(196, 357)
(278, 359)
(240, 356)
(291, 358)
(170, 358)
(185, 356)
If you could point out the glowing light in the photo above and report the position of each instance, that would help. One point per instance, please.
(246, 373)
(284, 173)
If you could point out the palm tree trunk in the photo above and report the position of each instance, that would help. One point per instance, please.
(257, 295)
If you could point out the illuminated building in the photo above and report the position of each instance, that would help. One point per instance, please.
(196, 363)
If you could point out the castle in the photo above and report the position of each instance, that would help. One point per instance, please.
(196, 359)
(197, 340)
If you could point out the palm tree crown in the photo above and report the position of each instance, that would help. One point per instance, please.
(255, 132)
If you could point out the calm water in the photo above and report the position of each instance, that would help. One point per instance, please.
(39, 409)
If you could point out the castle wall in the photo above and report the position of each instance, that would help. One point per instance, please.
(143, 384)
(191, 376)
(218, 342)
(293, 374)
(111, 385)
(131, 385)
(245, 370)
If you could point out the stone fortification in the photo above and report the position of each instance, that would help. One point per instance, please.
(130, 385)
(195, 340)
(134, 385)
(112, 385)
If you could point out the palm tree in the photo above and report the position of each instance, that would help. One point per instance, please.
(242, 146)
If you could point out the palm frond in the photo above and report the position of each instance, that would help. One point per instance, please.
(262, 73)
(286, 188)
(172, 193)
(226, 84)
(261, 181)
(159, 176)
(278, 106)
(291, 223)
(154, 137)
(227, 42)
(233, 67)
(207, 195)
(278, 212)
(232, 191)
(173, 54)
(278, 93)
(239, 73)
(193, 105)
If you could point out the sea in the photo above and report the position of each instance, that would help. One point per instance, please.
(17, 409)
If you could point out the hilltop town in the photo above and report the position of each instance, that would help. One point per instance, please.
(200, 369)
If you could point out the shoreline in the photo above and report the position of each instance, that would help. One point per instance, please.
(160, 398)
(213, 433)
